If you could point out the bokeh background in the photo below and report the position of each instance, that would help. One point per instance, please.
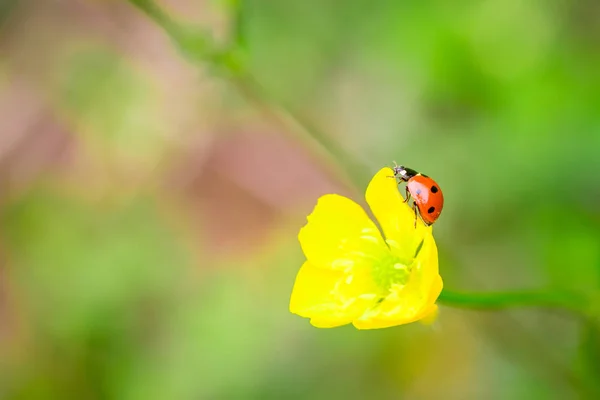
(149, 202)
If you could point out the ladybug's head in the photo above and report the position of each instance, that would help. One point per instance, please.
(404, 173)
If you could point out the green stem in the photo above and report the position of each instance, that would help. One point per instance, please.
(192, 42)
(501, 300)
(159, 16)
(198, 46)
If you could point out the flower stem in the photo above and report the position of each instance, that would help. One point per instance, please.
(501, 300)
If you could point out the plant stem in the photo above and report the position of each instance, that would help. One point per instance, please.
(159, 16)
(501, 300)
(198, 46)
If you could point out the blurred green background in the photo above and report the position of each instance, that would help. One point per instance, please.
(149, 209)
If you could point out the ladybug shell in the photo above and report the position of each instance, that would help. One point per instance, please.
(428, 197)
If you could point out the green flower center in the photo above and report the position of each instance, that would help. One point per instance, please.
(390, 270)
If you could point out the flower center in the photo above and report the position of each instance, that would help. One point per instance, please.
(391, 270)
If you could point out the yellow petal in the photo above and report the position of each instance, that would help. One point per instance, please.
(436, 289)
(328, 297)
(340, 235)
(396, 218)
(424, 277)
(415, 301)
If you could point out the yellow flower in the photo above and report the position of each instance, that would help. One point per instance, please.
(354, 275)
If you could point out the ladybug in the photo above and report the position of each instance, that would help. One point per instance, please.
(426, 193)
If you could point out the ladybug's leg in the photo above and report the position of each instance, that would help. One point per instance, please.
(415, 210)
(407, 194)
(398, 180)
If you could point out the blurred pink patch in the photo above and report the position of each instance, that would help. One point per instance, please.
(246, 182)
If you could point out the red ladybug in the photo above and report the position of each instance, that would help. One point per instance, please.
(427, 195)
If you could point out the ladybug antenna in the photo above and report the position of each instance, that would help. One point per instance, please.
(397, 168)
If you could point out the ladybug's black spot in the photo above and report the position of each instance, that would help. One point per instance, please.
(430, 210)
(434, 189)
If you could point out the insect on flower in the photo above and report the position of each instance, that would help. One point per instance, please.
(355, 273)
(426, 193)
